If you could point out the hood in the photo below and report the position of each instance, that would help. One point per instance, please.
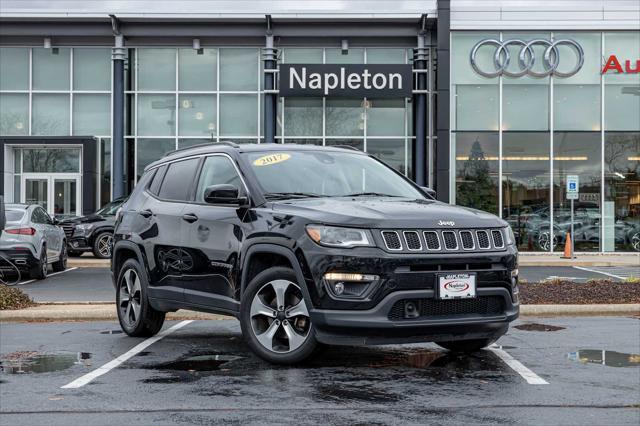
(92, 218)
(387, 213)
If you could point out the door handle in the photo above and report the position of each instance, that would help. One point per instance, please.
(189, 217)
(146, 213)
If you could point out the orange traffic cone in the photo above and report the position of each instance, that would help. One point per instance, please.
(568, 253)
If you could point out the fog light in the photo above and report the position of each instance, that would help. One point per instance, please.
(74, 244)
(339, 276)
(338, 288)
(411, 310)
(347, 284)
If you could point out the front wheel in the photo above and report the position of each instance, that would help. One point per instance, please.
(274, 318)
(137, 317)
(102, 245)
(466, 346)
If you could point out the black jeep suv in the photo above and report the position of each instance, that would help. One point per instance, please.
(308, 245)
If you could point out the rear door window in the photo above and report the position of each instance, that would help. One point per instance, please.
(178, 180)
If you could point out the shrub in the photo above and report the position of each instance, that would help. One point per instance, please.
(13, 298)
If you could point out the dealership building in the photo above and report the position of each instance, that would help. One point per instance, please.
(497, 105)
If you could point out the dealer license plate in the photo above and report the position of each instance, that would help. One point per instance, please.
(456, 286)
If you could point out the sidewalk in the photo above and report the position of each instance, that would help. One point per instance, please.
(525, 259)
(582, 259)
(107, 312)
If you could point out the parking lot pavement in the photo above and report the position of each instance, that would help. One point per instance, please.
(72, 285)
(578, 273)
(203, 372)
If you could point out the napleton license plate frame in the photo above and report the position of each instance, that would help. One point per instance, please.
(452, 286)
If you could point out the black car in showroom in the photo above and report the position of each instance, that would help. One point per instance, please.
(310, 245)
(93, 232)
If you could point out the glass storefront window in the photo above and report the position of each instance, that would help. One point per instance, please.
(197, 71)
(302, 56)
(391, 151)
(105, 170)
(385, 56)
(238, 69)
(50, 114)
(303, 117)
(356, 143)
(622, 90)
(51, 68)
(157, 69)
(476, 107)
(156, 115)
(187, 142)
(352, 56)
(51, 160)
(477, 170)
(91, 114)
(344, 117)
(385, 117)
(197, 116)
(14, 68)
(150, 150)
(525, 188)
(14, 117)
(577, 153)
(621, 207)
(238, 115)
(91, 69)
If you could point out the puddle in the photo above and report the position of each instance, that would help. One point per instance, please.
(206, 362)
(111, 332)
(603, 357)
(165, 380)
(144, 353)
(38, 362)
(351, 393)
(538, 327)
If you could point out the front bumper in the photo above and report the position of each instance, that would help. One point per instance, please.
(78, 244)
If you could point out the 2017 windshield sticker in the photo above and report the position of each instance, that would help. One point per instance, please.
(270, 159)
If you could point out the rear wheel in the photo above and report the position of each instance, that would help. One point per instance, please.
(466, 346)
(41, 268)
(274, 318)
(61, 264)
(137, 317)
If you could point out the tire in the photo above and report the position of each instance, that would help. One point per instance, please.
(143, 321)
(61, 263)
(102, 245)
(466, 346)
(41, 268)
(272, 308)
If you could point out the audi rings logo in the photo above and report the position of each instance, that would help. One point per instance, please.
(527, 58)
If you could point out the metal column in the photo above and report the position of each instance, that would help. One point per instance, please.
(420, 91)
(118, 56)
(270, 57)
(443, 145)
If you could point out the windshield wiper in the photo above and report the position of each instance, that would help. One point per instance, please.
(369, 194)
(285, 195)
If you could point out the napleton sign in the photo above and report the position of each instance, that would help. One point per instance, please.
(352, 80)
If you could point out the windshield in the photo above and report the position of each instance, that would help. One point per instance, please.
(325, 173)
(14, 215)
(111, 208)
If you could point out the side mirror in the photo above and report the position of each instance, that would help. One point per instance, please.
(430, 192)
(225, 194)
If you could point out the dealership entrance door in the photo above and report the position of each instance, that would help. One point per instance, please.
(58, 193)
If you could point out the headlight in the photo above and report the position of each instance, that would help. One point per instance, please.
(511, 238)
(333, 236)
(82, 229)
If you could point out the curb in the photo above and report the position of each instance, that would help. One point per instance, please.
(573, 262)
(89, 263)
(107, 311)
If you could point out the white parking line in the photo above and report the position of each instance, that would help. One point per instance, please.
(48, 275)
(582, 268)
(531, 377)
(83, 380)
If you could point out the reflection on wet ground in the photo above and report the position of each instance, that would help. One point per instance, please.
(38, 362)
(188, 368)
(604, 357)
(538, 327)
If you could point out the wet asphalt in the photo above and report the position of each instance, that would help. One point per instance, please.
(204, 373)
(94, 284)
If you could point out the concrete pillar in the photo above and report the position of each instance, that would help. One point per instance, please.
(117, 151)
(420, 102)
(270, 57)
(443, 146)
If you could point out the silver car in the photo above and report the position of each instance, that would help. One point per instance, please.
(31, 241)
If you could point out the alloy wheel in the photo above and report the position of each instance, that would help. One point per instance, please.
(635, 241)
(279, 317)
(43, 263)
(104, 245)
(544, 241)
(130, 297)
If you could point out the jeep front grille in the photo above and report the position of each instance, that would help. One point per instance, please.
(442, 240)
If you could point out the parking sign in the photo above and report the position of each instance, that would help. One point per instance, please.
(572, 186)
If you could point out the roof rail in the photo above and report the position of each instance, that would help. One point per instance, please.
(228, 143)
(352, 148)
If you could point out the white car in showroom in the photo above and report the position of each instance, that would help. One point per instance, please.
(31, 241)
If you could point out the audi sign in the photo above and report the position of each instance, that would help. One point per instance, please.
(527, 58)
